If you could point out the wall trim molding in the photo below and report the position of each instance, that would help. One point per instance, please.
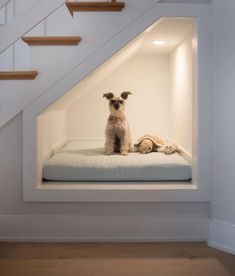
(33, 188)
(102, 228)
(222, 236)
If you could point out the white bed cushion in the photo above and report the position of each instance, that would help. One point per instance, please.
(86, 161)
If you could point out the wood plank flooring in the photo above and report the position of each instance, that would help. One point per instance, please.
(114, 259)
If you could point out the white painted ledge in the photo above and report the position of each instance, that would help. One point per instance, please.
(199, 191)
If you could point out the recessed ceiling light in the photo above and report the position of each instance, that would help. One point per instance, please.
(159, 42)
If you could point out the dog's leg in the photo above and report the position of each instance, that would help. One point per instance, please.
(109, 144)
(124, 144)
(131, 146)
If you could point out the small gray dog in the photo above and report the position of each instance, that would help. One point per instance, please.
(117, 133)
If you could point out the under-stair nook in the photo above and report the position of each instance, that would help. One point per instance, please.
(197, 188)
(49, 60)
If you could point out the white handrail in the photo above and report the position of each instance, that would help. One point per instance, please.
(39, 11)
(4, 3)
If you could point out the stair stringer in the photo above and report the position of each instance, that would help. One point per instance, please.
(55, 63)
(34, 191)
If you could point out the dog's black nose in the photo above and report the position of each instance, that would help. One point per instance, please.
(116, 105)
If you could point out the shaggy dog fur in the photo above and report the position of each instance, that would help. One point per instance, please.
(117, 133)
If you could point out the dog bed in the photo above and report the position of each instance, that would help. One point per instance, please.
(86, 161)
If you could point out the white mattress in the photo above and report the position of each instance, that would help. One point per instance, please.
(86, 161)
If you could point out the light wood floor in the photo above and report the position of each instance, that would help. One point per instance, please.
(114, 259)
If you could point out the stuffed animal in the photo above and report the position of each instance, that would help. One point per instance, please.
(150, 143)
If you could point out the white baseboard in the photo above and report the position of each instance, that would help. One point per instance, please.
(49, 153)
(186, 155)
(86, 139)
(105, 228)
(222, 236)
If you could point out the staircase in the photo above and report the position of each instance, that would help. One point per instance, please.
(51, 40)
(95, 6)
(61, 40)
(54, 61)
(18, 75)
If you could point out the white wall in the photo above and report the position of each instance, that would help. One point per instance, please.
(12, 8)
(51, 132)
(49, 221)
(181, 95)
(161, 102)
(16, 215)
(51, 135)
(223, 187)
(15, 57)
(147, 77)
(13, 210)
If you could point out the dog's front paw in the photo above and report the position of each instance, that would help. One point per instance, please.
(124, 153)
(109, 152)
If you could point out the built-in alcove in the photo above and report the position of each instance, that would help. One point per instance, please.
(171, 97)
(157, 67)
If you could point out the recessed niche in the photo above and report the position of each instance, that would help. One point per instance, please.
(157, 67)
(171, 97)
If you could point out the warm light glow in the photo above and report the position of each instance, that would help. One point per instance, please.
(159, 42)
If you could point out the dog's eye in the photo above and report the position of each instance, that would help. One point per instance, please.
(149, 148)
(112, 101)
(121, 102)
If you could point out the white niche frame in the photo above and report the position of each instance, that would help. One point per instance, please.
(198, 190)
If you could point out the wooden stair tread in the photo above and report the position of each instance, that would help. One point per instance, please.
(95, 6)
(18, 75)
(51, 40)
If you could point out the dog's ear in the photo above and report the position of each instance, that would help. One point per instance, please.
(108, 96)
(125, 94)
